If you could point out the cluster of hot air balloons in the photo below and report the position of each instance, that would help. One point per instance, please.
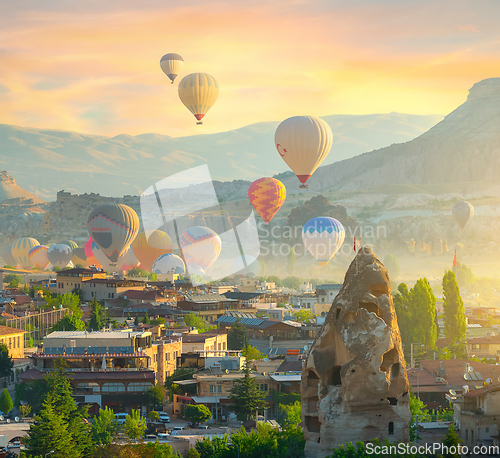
(197, 91)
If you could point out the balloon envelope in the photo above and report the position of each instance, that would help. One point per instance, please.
(303, 142)
(79, 257)
(70, 243)
(59, 255)
(267, 196)
(169, 264)
(462, 212)
(7, 256)
(171, 64)
(198, 92)
(38, 256)
(113, 227)
(21, 249)
(148, 249)
(200, 246)
(323, 236)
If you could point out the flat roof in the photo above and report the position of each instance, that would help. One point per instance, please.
(95, 334)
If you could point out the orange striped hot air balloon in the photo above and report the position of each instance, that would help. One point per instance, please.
(267, 196)
(148, 249)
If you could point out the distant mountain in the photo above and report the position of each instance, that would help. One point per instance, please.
(46, 161)
(463, 149)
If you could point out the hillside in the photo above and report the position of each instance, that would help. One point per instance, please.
(11, 193)
(47, 161)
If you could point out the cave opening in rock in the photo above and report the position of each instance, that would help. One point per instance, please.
(312, 379)
(312, 424)
(391, 428)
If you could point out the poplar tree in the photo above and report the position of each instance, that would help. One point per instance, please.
(455, 325)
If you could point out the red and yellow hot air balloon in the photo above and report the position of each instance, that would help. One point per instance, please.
(267, 196)
(148, 249)
(113, 227)
(198, 92)
(303, 142)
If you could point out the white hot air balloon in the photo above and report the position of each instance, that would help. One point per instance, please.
(303, 142)
(169, 264)
(198, 92)
(171, 64)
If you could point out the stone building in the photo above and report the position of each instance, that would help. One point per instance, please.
(354, 383)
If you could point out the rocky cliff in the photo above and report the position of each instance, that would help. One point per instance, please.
(354, 383)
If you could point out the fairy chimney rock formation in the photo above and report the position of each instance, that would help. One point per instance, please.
(354, 383)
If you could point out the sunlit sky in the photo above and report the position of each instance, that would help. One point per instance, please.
(93, 66)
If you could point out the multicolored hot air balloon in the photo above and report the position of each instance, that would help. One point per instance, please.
(38, 256)
(148, 249)
(8, 258)
(267, 196)
(127, 260)
(323, 236)
(79, 257)
(59, 255)
(91, 259)
(21, 249)
(462, 212)
(171, 64)
(303, 142)
(169, 264)
(200, 246)
(113, 227)
(198, 92)
(70, 243)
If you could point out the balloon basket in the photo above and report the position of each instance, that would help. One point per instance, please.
(303, 186)
(199, 122)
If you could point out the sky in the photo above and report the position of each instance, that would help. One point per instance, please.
(93, 66)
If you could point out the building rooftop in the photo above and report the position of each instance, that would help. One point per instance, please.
(330, 286)
(6, 330)
(94, 335)
(207, 298)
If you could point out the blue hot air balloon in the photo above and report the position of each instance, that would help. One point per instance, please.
(323, 236)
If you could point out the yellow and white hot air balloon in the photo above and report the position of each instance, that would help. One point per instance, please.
(171, 64)
(198, 92)
(303, 142)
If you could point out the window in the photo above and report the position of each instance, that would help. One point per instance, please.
(18, 342)
(215, 388)
(167, 356)
(89, 387)
(391, 428)
(112, 295)
(466, 435)
(264, 387)
(113, 387)
(138, 386)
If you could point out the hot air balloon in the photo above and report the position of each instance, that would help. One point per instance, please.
(198, 92)
(8, 258)
(323, 236)
(200, 246)
(38, 256)
(91, 260)
(59, 255)
(148, 249)
(70, 243)
(303, 142)
(127, 260)
(79, 257)
(21, 249)
(251, 267)
(267, 196)
(171, 64)
(462, 212)
(169, 264)
(113, 228)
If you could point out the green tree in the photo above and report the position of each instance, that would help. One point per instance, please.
(70, 322)
(236, 335)
(197, 413)
(392, 266)
(78, 292)
(195, 321)
(452, 441)
(292, 283)
(464, 274)
(293, 413)
(134, 425)
(95, 320)
(104, 427)
(252, 353)
(128, 316)
(303, 316)
(403, 307)
(423, 313)
(6, 403)
(154, 415)
(454, 313)
(274, 279)
(49, 433)
(155, 396)
(33, 393)
(13, 280)
(24, 410)
(136, 320)
(6, 363)
(291, 261)
(246, 396)
(145, 319)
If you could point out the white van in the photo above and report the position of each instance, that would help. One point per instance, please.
(120, 418)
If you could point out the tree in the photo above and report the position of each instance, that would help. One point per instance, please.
(452, 441)
(6, 403)
(402, 305)
(6, 363)
(49, 433)
(136, 320)
(453, 308)
(13, 280)
(134, 425)
(195, 321)
(292, 283)
(293, 413)
(104, 427)
(423, 313)
(33, 393)
(464, 274)
(154, 415)
(246, 396)
(146, 319)
(252, 353)
(236, 335)
(78, 292)
(197, 413)
(274, 279)
(69, 323)
(392, 266)
(95, 320)
(128, 316)
(303, 316)
(155, 395)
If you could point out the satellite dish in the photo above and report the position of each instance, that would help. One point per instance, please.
(306, 347)
(453, 392)
(489, 380)
(466, 388)
(471, 369)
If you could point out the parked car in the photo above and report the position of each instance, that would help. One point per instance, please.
(178, 428)
(203, 427)
(120, 418)
(162, 436)
(164, 417)
(150, 437)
